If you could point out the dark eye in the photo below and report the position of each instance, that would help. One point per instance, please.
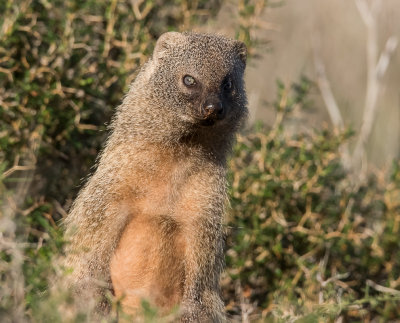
(189, 80)
(227, 85)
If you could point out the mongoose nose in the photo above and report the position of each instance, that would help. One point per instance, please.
(213, 109)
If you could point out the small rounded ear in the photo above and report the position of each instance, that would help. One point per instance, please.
(241, 51)
(166, 41)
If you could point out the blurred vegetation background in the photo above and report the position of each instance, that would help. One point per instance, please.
(313, 229)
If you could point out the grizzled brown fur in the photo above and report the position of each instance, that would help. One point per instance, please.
(149, 222)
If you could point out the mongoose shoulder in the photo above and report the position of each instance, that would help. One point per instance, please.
(149, 222)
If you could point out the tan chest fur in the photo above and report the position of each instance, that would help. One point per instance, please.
(149, 260)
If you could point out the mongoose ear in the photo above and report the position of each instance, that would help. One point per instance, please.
(241, 51)
(166, 41)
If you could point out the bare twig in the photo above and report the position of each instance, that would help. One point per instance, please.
(382, 289)
(110, 26)
(17, 168)
(141, 14)
(326, 92)
(369, 17)
(330, 102)
(245, 306)
(9, 20)
(377, 66)
(376, 69)
(384, 59)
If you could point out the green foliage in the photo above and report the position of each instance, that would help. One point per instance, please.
(304, 241)
(249, 11)
(64, 67)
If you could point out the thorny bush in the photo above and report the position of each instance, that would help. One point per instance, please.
(303, 241)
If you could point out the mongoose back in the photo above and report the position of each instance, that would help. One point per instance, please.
(148, 224)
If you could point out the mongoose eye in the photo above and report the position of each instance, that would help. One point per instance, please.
(227, 85)
(189, 80)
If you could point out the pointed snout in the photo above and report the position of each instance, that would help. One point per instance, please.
(213, 109)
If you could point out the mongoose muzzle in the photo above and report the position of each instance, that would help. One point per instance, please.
(212, 111)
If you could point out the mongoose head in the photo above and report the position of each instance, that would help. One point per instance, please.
(190, 90)
(199, 79)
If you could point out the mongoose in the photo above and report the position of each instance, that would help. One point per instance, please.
(149, 223)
